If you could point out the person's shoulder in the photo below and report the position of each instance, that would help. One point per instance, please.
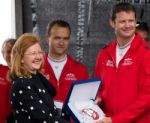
(146, 45)
(74, 62)
(106, 47)
(45, 58)
(18, 80)
(3, 70)
(23, 80)
(145, 50)
(4, 67)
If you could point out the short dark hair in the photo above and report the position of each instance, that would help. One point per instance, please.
(60, 23)
(123, 6)
(143, 26)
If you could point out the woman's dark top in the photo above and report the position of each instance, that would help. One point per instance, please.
(32, 100)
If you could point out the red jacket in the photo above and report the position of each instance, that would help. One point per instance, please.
(125, 90)
(5, 106)
(72, 71)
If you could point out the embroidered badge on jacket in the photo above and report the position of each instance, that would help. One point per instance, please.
(109, 63)
(127, 62)
(70, 76)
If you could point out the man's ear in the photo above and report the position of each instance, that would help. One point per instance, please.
(111, 23)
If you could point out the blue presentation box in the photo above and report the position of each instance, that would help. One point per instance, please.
(80, 101)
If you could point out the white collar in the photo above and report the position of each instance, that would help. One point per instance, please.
(55, 60)
(126, 45)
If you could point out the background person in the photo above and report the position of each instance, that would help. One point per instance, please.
(32, 94)
(5, 85)
(124, 67)
(60, 68)
(143, 29)
(6, 50)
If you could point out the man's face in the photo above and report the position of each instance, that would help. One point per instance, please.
(7, 52)
(58, 41)
(125, 24)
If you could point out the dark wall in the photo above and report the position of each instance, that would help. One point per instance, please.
(27, 16)
(88, 37)
(89, 23)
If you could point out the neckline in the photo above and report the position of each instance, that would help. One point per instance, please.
(57, 61)
(126, 45)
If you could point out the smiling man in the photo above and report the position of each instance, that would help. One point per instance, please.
(124, 67)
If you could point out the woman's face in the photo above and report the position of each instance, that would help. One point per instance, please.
(33, 58)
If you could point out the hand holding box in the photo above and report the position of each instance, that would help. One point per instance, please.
(80, 102)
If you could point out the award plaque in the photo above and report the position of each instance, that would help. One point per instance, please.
(80, 101)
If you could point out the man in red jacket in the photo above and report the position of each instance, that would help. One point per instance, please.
(124, 67)
(5, 85)
(5, 107)
(60, 69)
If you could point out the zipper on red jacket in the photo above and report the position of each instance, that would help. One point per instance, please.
(57, 83)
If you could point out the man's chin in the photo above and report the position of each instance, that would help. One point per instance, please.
(61, 53)
(128, 35)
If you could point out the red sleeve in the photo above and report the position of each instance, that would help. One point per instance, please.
(97, 72)
(5, 85)
(5, 106)
(97, 67)
(8, 104)
(86, 74)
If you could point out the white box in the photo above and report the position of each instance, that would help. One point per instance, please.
(80, 101)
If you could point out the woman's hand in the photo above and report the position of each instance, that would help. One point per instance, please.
(105, 120)
(98, 101)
